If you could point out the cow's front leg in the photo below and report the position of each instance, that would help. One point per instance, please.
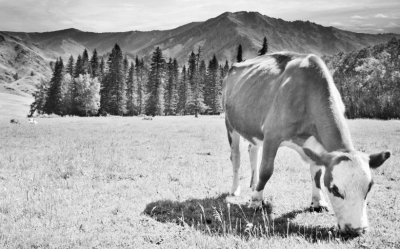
(234, 140)
(270, 147)
(318, 202)
(255, 163)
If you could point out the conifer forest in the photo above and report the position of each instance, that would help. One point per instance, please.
(368, 81)
(127, 87)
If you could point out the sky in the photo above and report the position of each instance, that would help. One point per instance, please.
(365, 16)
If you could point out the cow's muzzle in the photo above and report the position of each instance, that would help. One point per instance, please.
(352, 232)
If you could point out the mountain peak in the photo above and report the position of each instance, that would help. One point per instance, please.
(72, 29)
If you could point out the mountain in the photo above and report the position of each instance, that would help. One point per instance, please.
(22, 64)
(23, 53)
(221, 35)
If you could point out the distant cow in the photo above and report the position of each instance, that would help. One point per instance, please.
(14, 121)
(288, 99)
(147, 118)
(32, 121)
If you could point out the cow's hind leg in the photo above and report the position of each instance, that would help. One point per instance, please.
(270, 148)
(318, 202)
(255, 163)
(234, 141)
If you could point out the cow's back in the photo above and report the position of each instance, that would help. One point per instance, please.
(279, 93)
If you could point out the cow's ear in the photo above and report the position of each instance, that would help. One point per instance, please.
(377, 159)
(321, 158)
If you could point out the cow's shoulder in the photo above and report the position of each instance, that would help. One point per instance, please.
(274, 63)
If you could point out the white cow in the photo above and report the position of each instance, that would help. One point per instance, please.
(288, 99)
(32, 121)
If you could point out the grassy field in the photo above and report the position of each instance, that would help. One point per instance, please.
(120, 182)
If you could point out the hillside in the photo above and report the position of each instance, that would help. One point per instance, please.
(22, 64)
(13, 106)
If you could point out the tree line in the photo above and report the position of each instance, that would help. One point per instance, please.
(369, 80)
(91, 86)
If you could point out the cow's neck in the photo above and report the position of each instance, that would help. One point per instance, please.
(332, 130)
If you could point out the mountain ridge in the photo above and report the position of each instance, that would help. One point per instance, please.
(219, 35)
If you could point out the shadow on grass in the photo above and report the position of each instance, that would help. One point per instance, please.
(214, 216)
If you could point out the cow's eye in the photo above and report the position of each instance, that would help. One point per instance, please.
(335, 191)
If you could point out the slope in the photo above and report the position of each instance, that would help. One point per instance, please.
(22, 64)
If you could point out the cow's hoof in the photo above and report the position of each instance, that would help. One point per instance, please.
(320, 209)
(236, 192)
(256, 204)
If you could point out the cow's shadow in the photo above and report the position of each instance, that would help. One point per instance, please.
(215, 217)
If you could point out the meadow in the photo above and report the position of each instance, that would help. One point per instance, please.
(123, 182)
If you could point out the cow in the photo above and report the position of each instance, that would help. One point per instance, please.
(14, 121)
(289, 99)
(32, 121)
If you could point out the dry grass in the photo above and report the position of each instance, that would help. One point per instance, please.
(128, 183)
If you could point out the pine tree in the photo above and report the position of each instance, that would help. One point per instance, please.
(196, 83)
(141, 77)
(102, 70)
(54, 102)
(208, 85)
(239, 57)
(94, 65)
(264, 48)
(191, 70)
(184, 92)
(155, 102)
(126, 65)
(203, 78)
(226, 68)
(78, 67)
(131, 91)
(170, 93)
(212, 83)
(217, 101)
(105, 94)
(175, 74)
(70, 66)
(113, 92)
(85, 62)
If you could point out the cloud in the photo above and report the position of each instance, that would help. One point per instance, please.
(381, 16)
(392, 25)
(359, 17)
(368, 25)
(338, 24)
(66, 22)
(356, 21)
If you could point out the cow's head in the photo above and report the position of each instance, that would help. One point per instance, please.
(348, 181)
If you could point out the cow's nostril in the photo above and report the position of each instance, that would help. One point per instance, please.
(363, 230)
(348, 230)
